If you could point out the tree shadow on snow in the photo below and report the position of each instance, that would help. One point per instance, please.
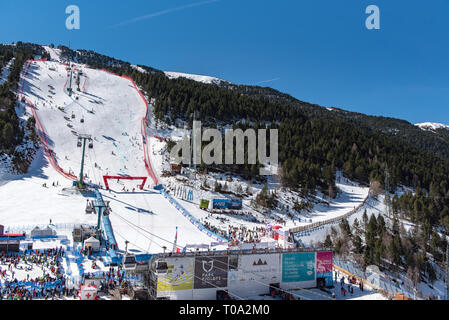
(36, 169)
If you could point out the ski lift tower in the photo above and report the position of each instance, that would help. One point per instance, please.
(102, 208)
(69, 89)
(83, 138)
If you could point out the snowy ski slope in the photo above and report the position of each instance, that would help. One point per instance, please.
(112, 110)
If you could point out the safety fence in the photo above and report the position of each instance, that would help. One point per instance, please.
(32, 285)
(379, 282)
(144, 121)
(308, 229)
(16, 229)
(192, 219)
(40, 129)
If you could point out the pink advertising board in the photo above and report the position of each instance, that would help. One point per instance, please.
(324, 261)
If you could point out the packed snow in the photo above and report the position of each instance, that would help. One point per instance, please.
(111, 110)
(432, 126)
(195, 77)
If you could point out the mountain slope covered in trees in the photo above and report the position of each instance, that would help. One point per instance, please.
(314, 142)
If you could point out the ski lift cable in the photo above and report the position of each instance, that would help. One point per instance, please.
(172, 243)
(315, 293)
(237, 296)
(138, 247)
(154, 235)
(151, 240)
(133, 226)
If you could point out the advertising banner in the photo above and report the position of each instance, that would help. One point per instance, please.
(204, 204)
(179, 276)
(227, 204)
(258, 267)
(220, 204)
(211, 272)
(324, 262)
(298, 267)
(235, 204)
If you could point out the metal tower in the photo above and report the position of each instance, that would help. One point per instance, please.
(103, 208)
(83, 138)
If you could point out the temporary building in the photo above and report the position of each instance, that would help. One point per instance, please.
(46, 232)
(9, 245)
(92, 243)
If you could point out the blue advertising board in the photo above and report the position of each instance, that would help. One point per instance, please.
(298, 267)
(227, 204)
(235, 204)
(220, 204)
(327, 276)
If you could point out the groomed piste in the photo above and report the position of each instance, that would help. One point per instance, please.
(115, 113)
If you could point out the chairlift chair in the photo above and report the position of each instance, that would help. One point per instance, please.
(73, 115)
(106, 212)
(91, 145)
(89, 209)
(79, 143)
(82, 120)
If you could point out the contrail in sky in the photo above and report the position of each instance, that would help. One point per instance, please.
(163, 12)
(268, 81)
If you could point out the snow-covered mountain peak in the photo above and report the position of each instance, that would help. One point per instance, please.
(195, 77)
(432, 126)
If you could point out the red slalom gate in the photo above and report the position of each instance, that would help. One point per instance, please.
(43, 135)
(106, 178)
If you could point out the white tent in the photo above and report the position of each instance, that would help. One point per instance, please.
(92, 243)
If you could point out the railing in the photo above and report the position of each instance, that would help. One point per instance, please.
(192, 219)
(239, 251)
(335, 220)
(28, 228)
(377, 282)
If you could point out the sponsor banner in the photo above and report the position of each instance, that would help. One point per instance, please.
(258, 267)
(204, 204)
(179, 276)
(211, 272)
(235, 204)
(227, 204)
(324, 262)
(327, 276)
(220, 204)
(298, 267)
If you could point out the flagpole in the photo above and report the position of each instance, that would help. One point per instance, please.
(176, 240)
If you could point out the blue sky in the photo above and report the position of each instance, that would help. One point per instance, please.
(318, 51)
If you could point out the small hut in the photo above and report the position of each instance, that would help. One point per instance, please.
(92, 245)
(42, 233)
